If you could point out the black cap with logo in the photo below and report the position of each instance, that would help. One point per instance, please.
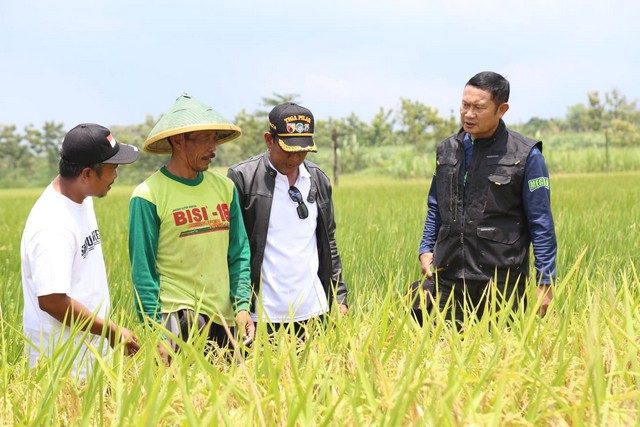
(89, 144)
(293, 126)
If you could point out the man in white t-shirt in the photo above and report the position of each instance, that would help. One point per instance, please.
(64, 278)
(296, 272)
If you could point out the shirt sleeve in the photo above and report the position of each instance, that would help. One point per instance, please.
(51, 254)
(432, 222)
(144, 229)
(238, 258)
(537, 207)
(338, 285)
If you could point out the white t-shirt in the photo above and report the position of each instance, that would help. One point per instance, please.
(291, 290)
(61, 253)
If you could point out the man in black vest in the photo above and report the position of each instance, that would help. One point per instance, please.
(489, 201)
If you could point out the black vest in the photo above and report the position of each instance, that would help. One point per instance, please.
(484, 231)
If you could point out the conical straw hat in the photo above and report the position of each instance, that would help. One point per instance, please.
(188, 114)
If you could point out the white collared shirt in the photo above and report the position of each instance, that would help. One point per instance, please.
(291, 290)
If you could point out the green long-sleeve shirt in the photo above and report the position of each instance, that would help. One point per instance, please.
(188, 246)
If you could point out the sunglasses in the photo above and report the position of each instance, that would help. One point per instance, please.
(296, 196)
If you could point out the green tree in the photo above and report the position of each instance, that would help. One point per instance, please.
(595, 111)
(380, 132)
(45, 145)
(276, 99)
(623, 119)
(250, 143)
(577, 118)
(617, 117)
(33, 137)
(53, 135)
(253, 126)
(536, 127)
(15, 158)
(618, 108)
(446, 127)
(147, 163)
(420, 123)
(353, 128)
(351, 142)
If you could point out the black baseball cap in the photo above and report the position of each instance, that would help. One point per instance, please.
(292, 125)
(89, 144)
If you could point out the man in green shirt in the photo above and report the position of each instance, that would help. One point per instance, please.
(187, 242)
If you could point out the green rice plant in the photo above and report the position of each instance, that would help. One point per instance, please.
(580, 365)
(592, 160)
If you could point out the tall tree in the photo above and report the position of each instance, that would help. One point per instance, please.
(578, 118)
(617, 117)
(623, 119)
(276, 99)
(250, 143)
(52, 136)
(419, 122)
(595, 111)
(15, 157)
(381, 130)
(136, 135)
(446, 127)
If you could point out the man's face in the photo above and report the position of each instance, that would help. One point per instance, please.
(479, 114)
(286, 163)
(200, 149)
(100, 183)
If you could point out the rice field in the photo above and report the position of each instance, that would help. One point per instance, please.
(580, 365)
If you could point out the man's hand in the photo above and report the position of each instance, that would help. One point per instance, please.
(344, 309)
(426, 261)
(130, 341)
(65, 309)
(544, 295)
(246, 327)
(163, 351)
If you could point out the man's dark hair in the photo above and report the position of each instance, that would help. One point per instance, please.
(493, 83)
(68, 169)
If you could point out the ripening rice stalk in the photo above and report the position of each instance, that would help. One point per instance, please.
(579, 365)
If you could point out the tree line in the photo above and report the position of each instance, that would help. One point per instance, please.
(395, 142)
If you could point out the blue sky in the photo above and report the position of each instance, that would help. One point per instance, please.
(113, 62)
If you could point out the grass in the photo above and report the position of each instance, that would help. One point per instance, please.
(578, 366)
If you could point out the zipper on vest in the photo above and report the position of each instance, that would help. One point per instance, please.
(451, 193)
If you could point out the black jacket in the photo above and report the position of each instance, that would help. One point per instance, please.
(484, 228)
(255, 181)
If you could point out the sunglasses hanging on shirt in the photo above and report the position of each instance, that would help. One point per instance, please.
(296, 196)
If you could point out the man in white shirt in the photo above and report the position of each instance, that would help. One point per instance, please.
(64, 278)
(296, 272)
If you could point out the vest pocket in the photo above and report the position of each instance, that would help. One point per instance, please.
(499, 194)
(507, 235)
(444, 246)
(443, 232)
(500, 179)
(447, 182)
(499, 246)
